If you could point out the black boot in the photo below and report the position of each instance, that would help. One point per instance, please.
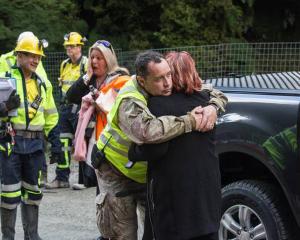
(30, 219)
(8, 222)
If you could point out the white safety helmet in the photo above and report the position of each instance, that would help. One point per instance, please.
(24, 35)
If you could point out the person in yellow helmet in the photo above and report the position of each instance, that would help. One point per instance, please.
(7, 61)
(22, 139)
(70, 70)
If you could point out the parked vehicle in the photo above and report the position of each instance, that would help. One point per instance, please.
(258, 146)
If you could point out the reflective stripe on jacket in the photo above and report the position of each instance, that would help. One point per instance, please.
(116, 150)
(46, 116)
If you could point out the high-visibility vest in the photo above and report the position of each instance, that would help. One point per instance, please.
(70, 72)
(46, 117)
(115, 84)
(117, 142)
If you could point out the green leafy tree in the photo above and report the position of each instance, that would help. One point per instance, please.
(140, 24)
(281, 23)
(192, 22)
(49, 19)
(127, 24)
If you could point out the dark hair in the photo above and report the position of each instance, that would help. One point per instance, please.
(143, 59)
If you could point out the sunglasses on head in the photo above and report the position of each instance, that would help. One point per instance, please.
(105, 44)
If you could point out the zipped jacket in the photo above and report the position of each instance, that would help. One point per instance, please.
(46, 116)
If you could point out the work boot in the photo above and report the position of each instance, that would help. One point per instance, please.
(30, 219)
(8, 222)
(57, 184)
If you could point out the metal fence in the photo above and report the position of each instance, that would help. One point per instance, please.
(212, 61)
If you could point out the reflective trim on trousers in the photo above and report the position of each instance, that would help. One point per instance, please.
(39, 178)
(11, 187)
(65, 148)
(31, 202)
(38, 192)
(66, 135)
(68, 149)
(35, 198)
(11, 194)
(30, 187)
(74, 108)
(9, 206)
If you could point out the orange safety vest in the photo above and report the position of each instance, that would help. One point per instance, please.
(116, 84)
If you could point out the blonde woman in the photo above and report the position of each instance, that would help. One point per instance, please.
(107, 77)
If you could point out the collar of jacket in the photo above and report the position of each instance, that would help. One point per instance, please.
(140, 88)
(78, 60)
(33, 74)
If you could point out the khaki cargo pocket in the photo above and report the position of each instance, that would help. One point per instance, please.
(116, 217)
(103, 220)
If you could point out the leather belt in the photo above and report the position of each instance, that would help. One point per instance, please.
(30, 134)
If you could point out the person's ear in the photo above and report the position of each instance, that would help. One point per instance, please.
(19, 57)
(141, 80)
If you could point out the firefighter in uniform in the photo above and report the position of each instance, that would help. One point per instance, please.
(70, 70)
(22, 139)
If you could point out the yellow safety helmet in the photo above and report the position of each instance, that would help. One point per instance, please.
(31, 44)
(74, 38)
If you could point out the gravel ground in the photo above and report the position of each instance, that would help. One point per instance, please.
(65, 214)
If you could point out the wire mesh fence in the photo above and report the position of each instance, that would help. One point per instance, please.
(235, 59)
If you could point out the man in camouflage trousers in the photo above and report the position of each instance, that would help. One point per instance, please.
(131, 121)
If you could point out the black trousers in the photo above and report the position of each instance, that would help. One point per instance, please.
(212, 236)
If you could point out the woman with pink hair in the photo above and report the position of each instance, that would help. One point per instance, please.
(184, 190)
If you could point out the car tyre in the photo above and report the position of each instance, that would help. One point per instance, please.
(253, 210)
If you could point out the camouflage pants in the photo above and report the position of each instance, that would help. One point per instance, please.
(119, 217)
